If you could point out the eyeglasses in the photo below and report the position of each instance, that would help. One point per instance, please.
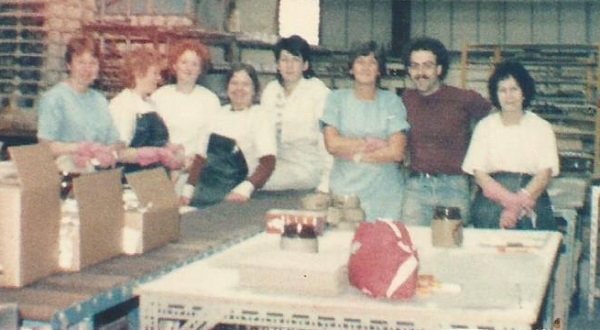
(422, 66)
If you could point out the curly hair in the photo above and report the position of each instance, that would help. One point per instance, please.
(516, 70)
(136, 64)
(182, 46)
(429, 44)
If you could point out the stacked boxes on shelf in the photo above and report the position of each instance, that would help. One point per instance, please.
(22, 51)
(33, 35)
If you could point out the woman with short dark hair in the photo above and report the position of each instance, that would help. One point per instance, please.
(513, 156)
(295, 100)
(365, 130)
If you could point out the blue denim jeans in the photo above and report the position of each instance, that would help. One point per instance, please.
(424, 193)
(485, 213)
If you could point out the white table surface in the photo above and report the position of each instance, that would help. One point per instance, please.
(496, 288)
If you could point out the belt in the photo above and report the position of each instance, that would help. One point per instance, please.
(425, 175)
(522, 177)
(511, 174)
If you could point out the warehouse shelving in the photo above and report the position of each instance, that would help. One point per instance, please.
(22, 52)
(117, 38)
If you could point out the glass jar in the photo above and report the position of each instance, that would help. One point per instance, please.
(446, 227)
(446, 213)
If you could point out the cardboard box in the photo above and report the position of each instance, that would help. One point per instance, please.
(97, 234)
(276, 219)
(29, 217)
(156, 222)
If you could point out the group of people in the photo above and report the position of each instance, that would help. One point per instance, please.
(400, 155)
(211, 152)
(403, 156)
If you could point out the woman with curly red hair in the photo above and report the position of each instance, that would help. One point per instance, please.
(186, 107)
(140, 127)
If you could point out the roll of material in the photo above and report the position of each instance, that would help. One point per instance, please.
(315, 202)
(346, 201)
(354, 215)
(335, 215)
(345, 218)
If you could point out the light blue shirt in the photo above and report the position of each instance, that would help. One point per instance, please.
(67, 116)
(379, 186)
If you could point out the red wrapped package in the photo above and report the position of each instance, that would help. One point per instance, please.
(383, 261)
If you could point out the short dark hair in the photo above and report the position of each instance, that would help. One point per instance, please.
(251, 71)
(297, 46)
(365, 49)
(430, 44)
(505, 70)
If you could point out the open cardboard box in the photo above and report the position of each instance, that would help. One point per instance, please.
(29, 217)
(97, 234)
(156, 223)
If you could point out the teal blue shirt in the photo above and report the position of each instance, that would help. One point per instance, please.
(379, 186)
(67, 116)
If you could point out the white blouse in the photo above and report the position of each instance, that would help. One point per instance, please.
(124, 108)
(528, 147)
(187, 116)
(252, 129)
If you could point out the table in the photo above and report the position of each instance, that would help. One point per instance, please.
(498, 290)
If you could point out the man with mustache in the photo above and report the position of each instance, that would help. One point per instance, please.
(441, 118)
